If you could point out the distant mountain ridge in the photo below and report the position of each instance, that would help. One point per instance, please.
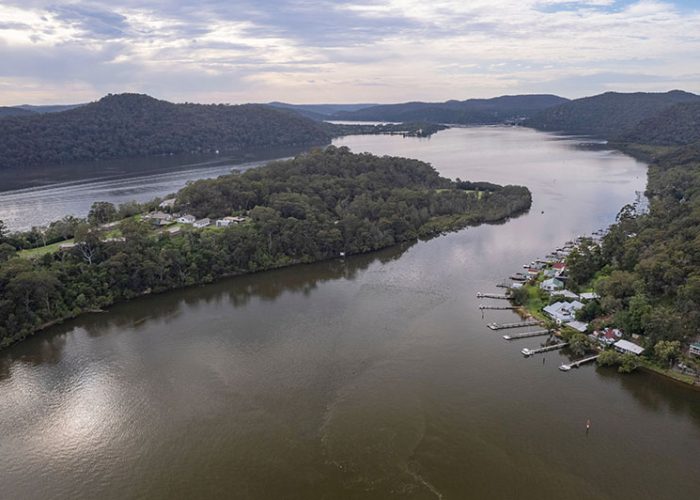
(130, 125)
(13, 111)
(470, 111)
(318, 111)
(610, 115)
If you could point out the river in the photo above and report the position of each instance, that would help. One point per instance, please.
(370, 377)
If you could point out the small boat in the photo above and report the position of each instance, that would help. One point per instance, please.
(526, 352)
(565, 368)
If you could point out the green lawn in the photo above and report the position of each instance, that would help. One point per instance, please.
(33, 253)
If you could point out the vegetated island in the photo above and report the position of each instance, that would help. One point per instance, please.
(642, 278)
(320, 205)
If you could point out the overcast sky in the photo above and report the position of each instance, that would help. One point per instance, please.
(307, 51)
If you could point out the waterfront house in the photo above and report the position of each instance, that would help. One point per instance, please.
(627, 347)
(589, 296)
(694, 349)
(559, 268)
(563, 312)
(202, 223)
(549, 273)
(607, 336)
(552, 284)
(579, 326)
(187, 219)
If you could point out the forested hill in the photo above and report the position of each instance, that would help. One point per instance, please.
(12, 111)
(130, 125)
(471, 111)
(610, 115)
(674, 126)
(320, 205)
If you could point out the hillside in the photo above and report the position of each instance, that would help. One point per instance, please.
(471, 111)
(609, 115)
(130, 125)
(13, 111)
(674, 126)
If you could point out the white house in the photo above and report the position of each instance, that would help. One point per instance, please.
(227, 221)
(159, 218)
(627, 347)
(694, 349)
(589, 296)
(201, 223)
(187, 219)
(563, 312)
(552, 284)
(579, 326)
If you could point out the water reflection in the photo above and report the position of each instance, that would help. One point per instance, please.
(138, 315)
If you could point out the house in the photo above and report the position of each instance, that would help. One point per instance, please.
(694, 349)
(186, 219)
(563, 312)
(579, 326)
(227, 221)
(608, 336)
(516, 285)
(159, 218)
(201, 223)
(559, 268)
(552, 284)
(549, 273)
(627, 347)
(169, 203)
(589, 296)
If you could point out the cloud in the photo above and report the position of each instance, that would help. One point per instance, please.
(311, 50)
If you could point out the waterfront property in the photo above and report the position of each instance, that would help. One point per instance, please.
(608, 336)
(563, 312)
(227, 221)
(552, 284)
(694, 349)
(626, 347)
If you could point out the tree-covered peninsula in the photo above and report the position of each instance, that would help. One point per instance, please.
(319, 205)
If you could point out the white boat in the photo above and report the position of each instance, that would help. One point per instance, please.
(526, 352)
(565, 368)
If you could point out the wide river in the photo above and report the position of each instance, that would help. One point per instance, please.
(372, 377)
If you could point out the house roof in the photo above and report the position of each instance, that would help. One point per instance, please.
(628, 346)
(578, 325)
(589, 295)
(559, 265)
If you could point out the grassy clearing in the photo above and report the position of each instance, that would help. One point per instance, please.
(33, 253)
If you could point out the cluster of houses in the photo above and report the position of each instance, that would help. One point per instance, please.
(553, 269)
(162, 219)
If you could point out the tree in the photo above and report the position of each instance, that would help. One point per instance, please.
(667, 350)
(101, 212)
(3, 231)
(579, 344)
(87, 242)
(7, 251)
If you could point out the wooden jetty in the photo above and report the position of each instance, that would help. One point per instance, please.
(575, 364)
(519, 277)
(498, 308)
(527, 335)
(503, 285)
(519, 324)
(529, 352)
(501, 296)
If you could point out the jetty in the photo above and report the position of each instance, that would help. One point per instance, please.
(519, 324)
(527, 335)
(501, 296)
(518, 277)
(529, 352)
(575, 364)
(498, 308)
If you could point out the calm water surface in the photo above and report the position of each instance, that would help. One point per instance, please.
(373, 377)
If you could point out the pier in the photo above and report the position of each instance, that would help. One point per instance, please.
(527, 335)
(501, 296)
(529, 352)
(519, 324)
(576, 364)
(498, 308)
